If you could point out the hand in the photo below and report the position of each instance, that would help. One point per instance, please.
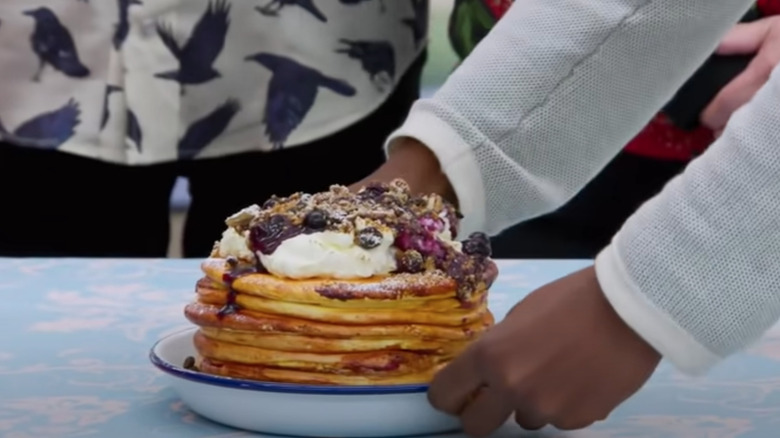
(761, 38)
(562, 357)
(417, 165)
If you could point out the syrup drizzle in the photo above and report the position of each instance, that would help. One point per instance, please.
(235, 272)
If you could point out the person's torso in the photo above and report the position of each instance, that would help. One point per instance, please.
(149, 81)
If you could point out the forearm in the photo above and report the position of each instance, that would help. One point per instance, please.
(554, 92)
(696, 270)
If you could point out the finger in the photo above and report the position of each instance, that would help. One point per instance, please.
(453, 386)
(737, 93)
(578, 414)
(486, 413)
(573, 423)
(744, 38)
(581, 415)
(529, 420)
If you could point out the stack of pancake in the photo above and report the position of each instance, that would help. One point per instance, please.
(397, 328)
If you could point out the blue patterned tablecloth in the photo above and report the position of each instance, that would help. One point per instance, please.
(74, 337)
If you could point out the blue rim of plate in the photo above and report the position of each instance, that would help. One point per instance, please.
(252, 385)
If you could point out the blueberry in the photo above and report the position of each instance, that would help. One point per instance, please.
(316, 220)
(411, 261)
(189, 363)
(369, 238)
(276, 224)
(477, 244)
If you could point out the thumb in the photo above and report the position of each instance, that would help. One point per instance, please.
(744, 38)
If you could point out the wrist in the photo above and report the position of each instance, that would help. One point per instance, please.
(611, 317)
(653, 324)
(413, 162)
(422, 168)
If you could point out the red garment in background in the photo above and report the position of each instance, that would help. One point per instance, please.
(769, 7)
(498, 7)
(660, 139)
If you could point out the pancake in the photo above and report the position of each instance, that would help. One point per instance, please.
(205, 315)
(339, 288)
(277, 375)
(395, 291)
(387, 362)
(452, 314)
(314, 344)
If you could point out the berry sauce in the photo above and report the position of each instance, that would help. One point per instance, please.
(235, 272)
(418, 243)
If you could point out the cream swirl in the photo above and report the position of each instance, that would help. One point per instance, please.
(330, 255)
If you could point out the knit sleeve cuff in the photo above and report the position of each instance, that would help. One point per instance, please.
(654, 325)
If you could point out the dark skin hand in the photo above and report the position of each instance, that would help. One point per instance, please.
(561, 357)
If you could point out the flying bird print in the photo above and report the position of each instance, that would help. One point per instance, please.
(203, 131)
(53, 44)
(419, 23)
(292, 91)
(110, 89)
(272, 9)
(382, 7)
(48, 130)
(197, 56)
(376, 57)
(133, 130)
(122, 27)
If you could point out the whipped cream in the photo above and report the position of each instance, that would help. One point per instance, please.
(235, 244)
(330, 255)
(326, 254)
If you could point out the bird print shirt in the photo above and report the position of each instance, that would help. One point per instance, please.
(151, 81)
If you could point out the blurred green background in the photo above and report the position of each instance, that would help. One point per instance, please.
(441, 57)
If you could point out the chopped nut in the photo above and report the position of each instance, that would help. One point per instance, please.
(241, 220)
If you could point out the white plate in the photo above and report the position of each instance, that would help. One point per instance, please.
(299, 410)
